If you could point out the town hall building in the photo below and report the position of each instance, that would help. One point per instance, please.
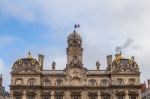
(120, 79)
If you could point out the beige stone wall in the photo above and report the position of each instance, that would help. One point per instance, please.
(25, 79)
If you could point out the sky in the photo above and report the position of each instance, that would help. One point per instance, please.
(42, 26)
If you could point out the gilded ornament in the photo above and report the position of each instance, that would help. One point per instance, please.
(33, 62)
(117, 61)
(20, 62)
(130, 61)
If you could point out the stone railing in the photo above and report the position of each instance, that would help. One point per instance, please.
(98, 72)
(52, 72)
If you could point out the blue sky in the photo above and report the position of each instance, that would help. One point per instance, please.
(42, 26)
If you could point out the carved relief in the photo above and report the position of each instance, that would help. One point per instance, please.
(123, 67)
(74, 43)
(75, 76)
(26, 68)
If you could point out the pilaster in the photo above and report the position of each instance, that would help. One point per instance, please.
(24, 94)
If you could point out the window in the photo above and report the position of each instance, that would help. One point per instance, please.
(93, 97)
(132, 97)
(18, 97)
(59, 82)
(46, 83)
(46, 97)
(31, 97)
(75, 97)
(104, 82)
(58, 97)
(120, 81)
(92, 82)
(105, 97)
(31, 81)
(120, 97)
(19, 81)
(132, 81)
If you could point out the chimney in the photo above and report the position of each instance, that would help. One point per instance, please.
(1, 80)
(148, 83)
(41, 60)
(109, 60)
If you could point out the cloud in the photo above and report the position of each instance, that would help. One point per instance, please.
(104, 25)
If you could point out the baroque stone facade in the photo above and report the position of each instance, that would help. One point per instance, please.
(120, 80)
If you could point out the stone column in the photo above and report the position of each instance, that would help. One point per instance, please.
(127, 96)
(113, 95)
(38, 95)
(83, 95)
(52, 95)
(99, 95)
(24, 94)
(67, 95)
(139, 96)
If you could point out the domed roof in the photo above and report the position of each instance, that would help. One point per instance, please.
(27, 61)
(121, 60)
(74, 36)
(124, 64)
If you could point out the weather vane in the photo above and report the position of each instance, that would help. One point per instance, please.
(29, 55)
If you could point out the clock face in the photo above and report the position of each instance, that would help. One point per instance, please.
(75, 43)
(75, 61)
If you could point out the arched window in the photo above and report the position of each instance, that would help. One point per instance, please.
(47, 82)
(31, 81)
(131, 81)
(59, 82)
(92, 82)
(19, 81)
(104, 82)
(120, 81)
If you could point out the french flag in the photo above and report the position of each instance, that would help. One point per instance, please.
(76, 25)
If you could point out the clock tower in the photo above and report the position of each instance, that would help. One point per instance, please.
(74, 50)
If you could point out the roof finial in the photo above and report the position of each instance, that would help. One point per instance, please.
(29, 55)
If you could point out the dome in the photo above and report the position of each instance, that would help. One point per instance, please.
(74, 36)
(26, 61)
(26, 65)
(123, 61)
(125, 64)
